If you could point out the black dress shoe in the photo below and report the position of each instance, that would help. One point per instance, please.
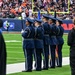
(45, 69)
(59, 66)
(38, 70)
(52, 67)
(27, 71)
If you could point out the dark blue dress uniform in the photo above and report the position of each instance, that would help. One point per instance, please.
(39, 33)
(28, 36)
(60, 43)
(46, 40)
(53, 42)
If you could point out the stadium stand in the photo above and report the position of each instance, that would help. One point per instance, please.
(18, 8)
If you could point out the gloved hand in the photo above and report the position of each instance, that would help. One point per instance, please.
(22, 31)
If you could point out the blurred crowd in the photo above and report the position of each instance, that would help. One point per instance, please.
(15, 8)
(51, 5)
(23, 8)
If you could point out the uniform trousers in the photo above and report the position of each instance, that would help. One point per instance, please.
(38, 58)
(29, 58)
(46, 56)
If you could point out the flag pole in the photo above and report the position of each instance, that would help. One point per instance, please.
(39, 14)
(56, 52)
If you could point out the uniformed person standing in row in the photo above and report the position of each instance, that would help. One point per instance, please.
(71, 43)
(46, 41)
(60, 42)
(38, 41)
(28, 36)
(53, 40)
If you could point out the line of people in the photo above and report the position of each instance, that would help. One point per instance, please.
(42, 38)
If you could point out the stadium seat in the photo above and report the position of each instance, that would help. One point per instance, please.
(65, 26)
(70, 26)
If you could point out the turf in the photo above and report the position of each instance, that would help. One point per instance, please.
(15, 52)
(14, 49)
(58, 71)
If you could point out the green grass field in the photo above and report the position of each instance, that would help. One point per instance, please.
(14, 48)
(15, 55)
(57, 71)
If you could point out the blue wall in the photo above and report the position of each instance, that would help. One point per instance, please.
(16, 25)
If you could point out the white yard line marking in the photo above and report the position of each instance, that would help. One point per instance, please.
(14, 58)
(14, 47)
(14, 52)
(14, 44)
(13, 41)
(18, 67)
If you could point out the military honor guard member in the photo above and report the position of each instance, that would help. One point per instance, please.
(53, 40)
(60, 40)
(46, 40)
(38, 41)
(28, 36)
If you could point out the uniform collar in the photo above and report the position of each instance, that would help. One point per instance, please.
(46, 22)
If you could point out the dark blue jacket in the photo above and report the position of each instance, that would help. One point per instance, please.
(53, 34)
(39, 34)
(28, 36)
(47, 30)
(60, 35)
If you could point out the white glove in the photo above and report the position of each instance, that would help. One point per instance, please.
(22, 31)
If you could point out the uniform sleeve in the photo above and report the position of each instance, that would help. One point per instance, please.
(40, 32)
(70, 39)
(57, 30)
(62, 29)
(37, 32)
(26, 33)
